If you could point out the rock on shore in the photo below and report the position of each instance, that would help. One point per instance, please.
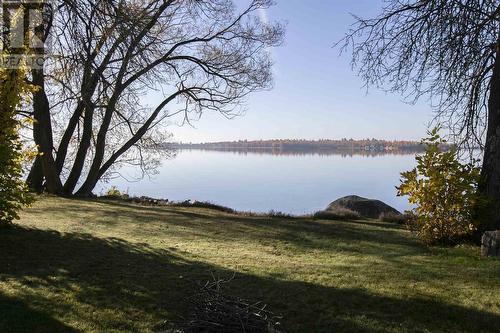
(368, 208)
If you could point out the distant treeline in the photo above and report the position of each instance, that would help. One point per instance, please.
(343, 145)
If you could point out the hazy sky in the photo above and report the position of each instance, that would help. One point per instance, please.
(316, 94)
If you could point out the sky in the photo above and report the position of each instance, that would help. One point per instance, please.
(316, 94)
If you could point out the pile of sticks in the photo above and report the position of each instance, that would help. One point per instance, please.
(215, 311)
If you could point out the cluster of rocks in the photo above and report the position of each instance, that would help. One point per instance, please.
(150, 201)
(143, 200)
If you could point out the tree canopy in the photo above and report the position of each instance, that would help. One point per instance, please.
(109, 55)
(449, 52)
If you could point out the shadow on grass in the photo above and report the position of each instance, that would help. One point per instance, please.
(303, 232)
(95, 284)
(17, 316)
(367, 240)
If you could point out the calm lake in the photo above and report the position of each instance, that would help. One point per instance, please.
(260, 182)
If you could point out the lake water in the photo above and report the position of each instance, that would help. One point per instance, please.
(296, 184)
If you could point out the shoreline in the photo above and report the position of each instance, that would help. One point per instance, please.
(325, 214)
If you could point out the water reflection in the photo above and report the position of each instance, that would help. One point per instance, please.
(296, 182)
(305, 152)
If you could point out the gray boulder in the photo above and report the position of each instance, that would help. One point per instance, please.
(364, 207)
(490, 244)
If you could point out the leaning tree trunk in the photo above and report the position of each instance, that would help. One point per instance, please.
(93, 174)
(62, 149)
(42, 134)
(89, 85)
(81, 154)
(490, 186)
(100, 148)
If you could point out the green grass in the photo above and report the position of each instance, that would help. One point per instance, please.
(72, 265)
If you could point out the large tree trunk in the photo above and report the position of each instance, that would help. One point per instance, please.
(42, 134)
(490, 185)
(35, 177)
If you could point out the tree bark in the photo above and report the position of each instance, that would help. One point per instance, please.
(62, 150)
(490, 182)
(42, 134)
(81, 154)
(100, 146)
(35, 177)
(89, 84)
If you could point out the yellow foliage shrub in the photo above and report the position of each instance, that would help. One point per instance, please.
(13, 191)
(444, 191)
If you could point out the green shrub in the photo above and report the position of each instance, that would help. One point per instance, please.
(392, 217)
(277, 214)
(444, 191)
(203, 204)
(337, 214)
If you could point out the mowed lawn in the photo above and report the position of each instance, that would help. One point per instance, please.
(104, 266)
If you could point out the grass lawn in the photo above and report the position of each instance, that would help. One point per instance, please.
(103, 266)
